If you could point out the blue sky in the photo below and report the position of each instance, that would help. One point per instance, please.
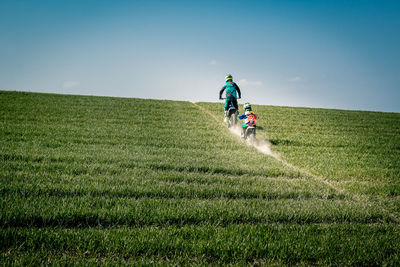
(332, 54)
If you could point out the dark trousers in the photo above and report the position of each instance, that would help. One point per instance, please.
(228, 102)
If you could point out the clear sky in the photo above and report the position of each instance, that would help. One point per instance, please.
(335, 54)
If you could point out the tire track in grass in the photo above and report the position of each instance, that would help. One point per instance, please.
(264, 147)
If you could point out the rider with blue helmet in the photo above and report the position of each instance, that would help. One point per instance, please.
(249, 118)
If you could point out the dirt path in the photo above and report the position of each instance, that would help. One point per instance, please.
(264, 146)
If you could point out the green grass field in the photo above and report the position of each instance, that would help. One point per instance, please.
(132, 181)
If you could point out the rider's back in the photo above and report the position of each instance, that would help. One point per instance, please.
(230, 90)
(249, 119)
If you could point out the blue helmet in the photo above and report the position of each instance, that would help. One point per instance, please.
(247, 106)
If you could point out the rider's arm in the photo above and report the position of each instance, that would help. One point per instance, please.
(242, 116)
(221, 91)
(238, 90)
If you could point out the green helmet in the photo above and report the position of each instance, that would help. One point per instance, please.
(247, 106)
(228, 78)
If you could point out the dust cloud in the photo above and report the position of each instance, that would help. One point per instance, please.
(261, 145)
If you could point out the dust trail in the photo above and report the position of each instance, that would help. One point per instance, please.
(262, 145)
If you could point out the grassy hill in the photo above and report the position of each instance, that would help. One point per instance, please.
(113, 180)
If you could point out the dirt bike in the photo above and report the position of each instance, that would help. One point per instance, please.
(250, 134)
(232, 115)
